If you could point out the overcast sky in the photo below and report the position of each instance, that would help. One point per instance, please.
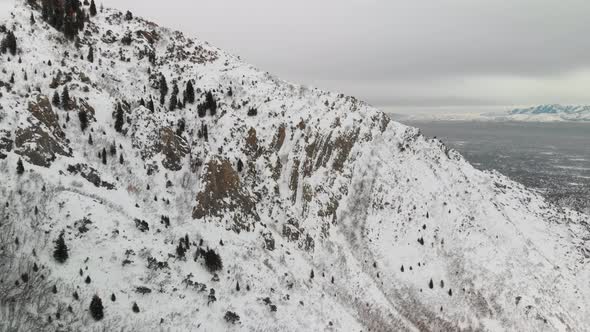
(398, 54)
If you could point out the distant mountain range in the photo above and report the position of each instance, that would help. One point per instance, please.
(541, 113)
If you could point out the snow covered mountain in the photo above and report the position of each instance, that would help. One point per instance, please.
(542, 113)
(259, 205)
(551, 113)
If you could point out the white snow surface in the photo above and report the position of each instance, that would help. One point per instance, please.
(376, 210)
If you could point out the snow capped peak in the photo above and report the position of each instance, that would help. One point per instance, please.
(166, 184)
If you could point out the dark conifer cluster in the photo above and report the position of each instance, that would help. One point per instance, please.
(67, 16)
(8, 43)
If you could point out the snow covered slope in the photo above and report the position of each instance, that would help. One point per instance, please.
(327, 215)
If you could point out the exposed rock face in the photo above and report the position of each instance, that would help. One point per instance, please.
(174, 148)
(42, 139)
(224, 196)
(90, 174)
(41, 109)
(151, 139)
(79, 105)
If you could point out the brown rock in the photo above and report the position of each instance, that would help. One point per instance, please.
(223, 194)
(174, 148)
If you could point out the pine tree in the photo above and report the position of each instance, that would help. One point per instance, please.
(150, 105)
(237, 286)
(311, 275)
(70, 28)
(113, 297)
(240, 165)
(83, 119)
(128, 16)
(90, 141)
(32, 19)
(56, 101)
(135, 307)
(8, 44)
(96, 308)
(92, 8)
(65, 98)
(172, 105)
(119, 121)
(163, 88)
(20, 169)
(189, 93)
(211, 103)
(91, 54)
(104, 156)
(121, 160)
(61, 250)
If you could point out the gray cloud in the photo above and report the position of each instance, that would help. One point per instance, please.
(398, 52)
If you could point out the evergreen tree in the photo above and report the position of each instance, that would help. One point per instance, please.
(104, 156)
(80, 19)
(70, 28)
(96, 308)
(128, 16)
(213, 260)
(163, 88)
(311, 275)
(83, 119)
(32, 19)
(56, 101)
(91, 54)
(113, 297)
(172, 105)
(61, 250)
(237, 286)
(189, 93)
(8, 43)
(20, 169)
(211, 103)
(135, 307)
(65, 98)
(92, 8)
(121, 160)
(150, 105)
(90, 139)
(181, 127)
(119, 121)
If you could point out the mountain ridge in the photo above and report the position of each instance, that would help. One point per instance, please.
(325, 213)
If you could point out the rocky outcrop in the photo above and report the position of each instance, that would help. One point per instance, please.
(151, 139)
(41, 139)
(174, 148)
(41, 109)
(224, 196)
(91, 175)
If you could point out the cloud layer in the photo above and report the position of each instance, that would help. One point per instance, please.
(399, 53)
